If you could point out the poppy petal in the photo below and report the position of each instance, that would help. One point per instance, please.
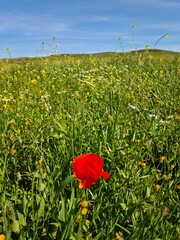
(89, 168)
(106, 175)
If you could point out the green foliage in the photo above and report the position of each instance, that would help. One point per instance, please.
(125, 107)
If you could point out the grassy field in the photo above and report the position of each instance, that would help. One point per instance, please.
(124, 107)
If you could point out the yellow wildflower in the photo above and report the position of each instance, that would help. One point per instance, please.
(118, 237)
(80, 185)
(161, 72)
(40, 161)
(43, 72)
(33, 81)
(84, 211)
(109, 116)
(157, 187)
(162, 158)
(12, 121)
(45, 174)
(2, 237)
(177, 116)
(137, 141)
(78, 62)
(172, 166)
(84, 204)
(12, 151)
(143, 165)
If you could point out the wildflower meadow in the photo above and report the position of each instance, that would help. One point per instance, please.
(90, 147)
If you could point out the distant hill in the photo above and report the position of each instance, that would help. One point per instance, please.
(152, 51)
(155, 52)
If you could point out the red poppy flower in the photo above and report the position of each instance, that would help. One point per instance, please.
(89, 168)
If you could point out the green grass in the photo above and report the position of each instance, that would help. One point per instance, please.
(125, 107)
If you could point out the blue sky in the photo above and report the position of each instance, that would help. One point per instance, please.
(87, 26)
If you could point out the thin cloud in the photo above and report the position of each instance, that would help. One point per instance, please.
(175, 27)
(97, 19)
(151, 3)
(88, 37)
(30, 25)
(167, 5)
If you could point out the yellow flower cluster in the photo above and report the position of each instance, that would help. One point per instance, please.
(84, 205)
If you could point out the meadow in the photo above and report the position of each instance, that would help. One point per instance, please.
(123, 106)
